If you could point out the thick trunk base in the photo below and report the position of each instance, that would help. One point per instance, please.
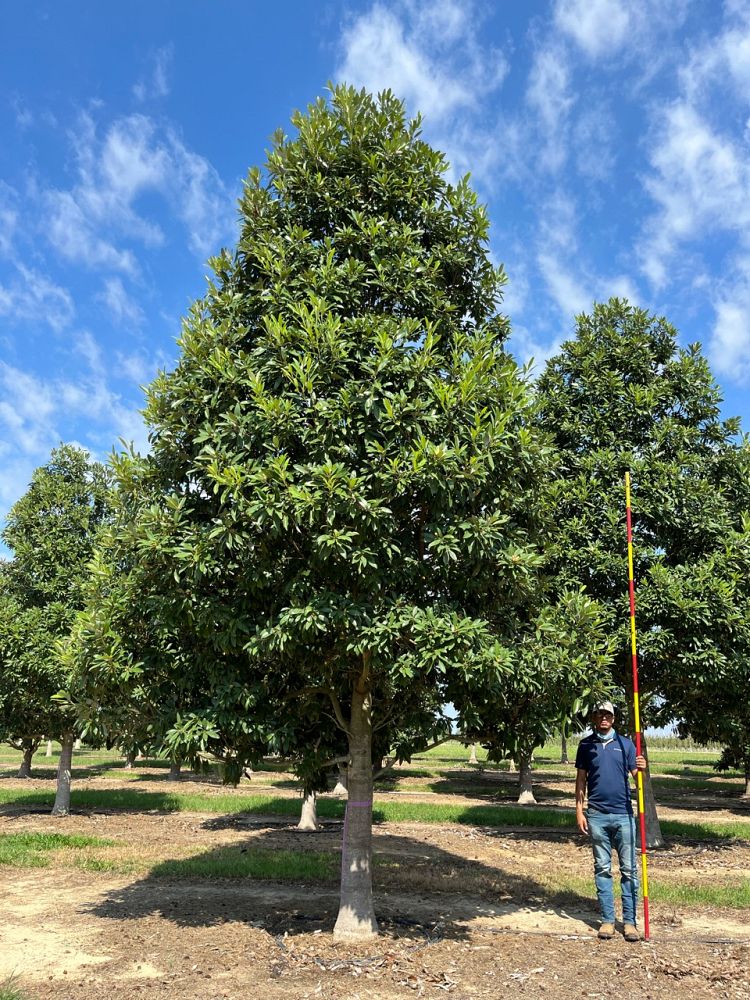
(525, 783)
(49, 749)
(62, 798)
(309, 817)
(340, 788)
(351, 925)
(356, 918)
(174, 770)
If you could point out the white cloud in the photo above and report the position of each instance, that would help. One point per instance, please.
(606, 29)
(428, 54)
(155, 83)
(89, 222)
(569, 293)
(721, 61)
(729, 344)
(122, 309)
(8, 217)
(599, 27)
(700, 182)
(550, 97)
(36, 413)
(27, 409)
(31, 296)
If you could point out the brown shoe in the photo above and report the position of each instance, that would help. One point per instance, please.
(630, 931)
(606, 931)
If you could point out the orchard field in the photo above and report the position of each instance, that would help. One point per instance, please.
(191, 889)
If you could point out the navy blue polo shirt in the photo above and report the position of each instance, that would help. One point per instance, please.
(607, 774)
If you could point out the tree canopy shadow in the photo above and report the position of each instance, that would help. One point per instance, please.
(417, 885)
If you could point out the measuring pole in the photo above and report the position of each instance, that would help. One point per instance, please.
(637, 713)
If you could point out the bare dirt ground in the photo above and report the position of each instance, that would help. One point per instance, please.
(465, 912)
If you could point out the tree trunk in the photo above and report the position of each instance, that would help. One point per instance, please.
(356, 918)
(511, 765)
(309, 818)
(473, 754)
(129, 760)
(29, 749)
(174, 770)
(340, 787)
(62, 798)
(746, 793)
(564, 749)
(525, 781)
(77, 745)
(49, 749)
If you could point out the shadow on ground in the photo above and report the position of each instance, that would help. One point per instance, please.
(416, 885)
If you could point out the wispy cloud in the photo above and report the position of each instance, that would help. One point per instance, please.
(99, 221)
(8, 217)
(550, 97)
(30, 295)
(122, 309)
(155, 82)
(37, 412)
(611, 29)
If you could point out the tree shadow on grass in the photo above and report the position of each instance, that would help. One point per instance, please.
(417, 885)
(50, 773)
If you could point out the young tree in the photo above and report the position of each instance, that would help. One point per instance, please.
(623, 396)
(339, 506)
(563, 658)
(51, 531)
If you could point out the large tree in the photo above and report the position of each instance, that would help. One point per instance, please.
(51, 532)
(623, 395)
(339, 508)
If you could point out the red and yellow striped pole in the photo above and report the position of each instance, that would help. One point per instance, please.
(637, 719)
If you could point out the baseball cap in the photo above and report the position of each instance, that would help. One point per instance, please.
(604, 706)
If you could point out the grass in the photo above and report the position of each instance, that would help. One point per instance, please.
(389, 812)
(31, 850)
(231, 863)
(9, 991)
(322, 867)
(733, 897)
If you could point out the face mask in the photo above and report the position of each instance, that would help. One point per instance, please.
(605, 737)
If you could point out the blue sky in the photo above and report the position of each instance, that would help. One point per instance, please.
(609, 138)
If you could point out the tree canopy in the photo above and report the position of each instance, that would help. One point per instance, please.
(51, 531)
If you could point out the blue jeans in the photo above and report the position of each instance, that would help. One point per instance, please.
(610, 830)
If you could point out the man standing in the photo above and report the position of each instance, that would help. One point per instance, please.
(603, 764)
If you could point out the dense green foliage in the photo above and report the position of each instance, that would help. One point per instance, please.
(624, 396)
(51, 531)
(342, 462)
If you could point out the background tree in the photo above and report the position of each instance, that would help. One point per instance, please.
(622, 395)
(562, 660)
(51, 531)
(707, 679)
(339, 506)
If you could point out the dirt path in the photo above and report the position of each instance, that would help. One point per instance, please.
(467, 912)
